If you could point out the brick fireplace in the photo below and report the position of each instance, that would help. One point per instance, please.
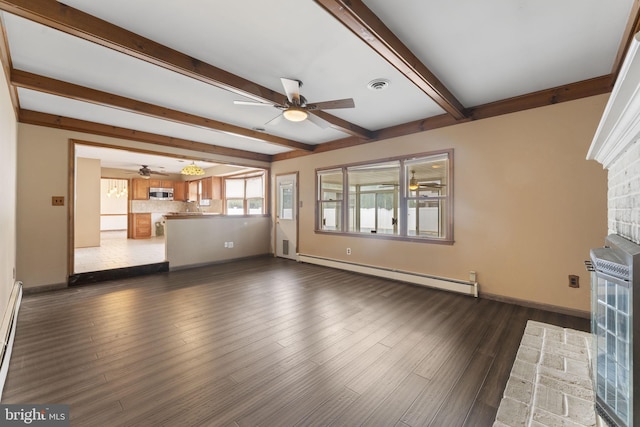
(615, 285)
(616, 147)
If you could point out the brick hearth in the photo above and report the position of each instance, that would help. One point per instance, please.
(550, 382)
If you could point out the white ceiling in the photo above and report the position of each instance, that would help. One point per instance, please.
(481, 51)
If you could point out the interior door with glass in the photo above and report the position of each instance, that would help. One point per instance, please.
(286, 234)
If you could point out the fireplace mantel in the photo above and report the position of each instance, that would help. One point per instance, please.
(619, 127)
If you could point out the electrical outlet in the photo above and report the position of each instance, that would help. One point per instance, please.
(57, 201)
(472, 277)
(348, 251)
(574, 281)
(226, 244)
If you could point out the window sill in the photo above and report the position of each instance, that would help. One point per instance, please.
(388, 237)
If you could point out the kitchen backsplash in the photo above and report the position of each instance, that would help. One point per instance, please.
(165, 206)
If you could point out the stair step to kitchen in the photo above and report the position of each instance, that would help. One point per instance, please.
(117, 273)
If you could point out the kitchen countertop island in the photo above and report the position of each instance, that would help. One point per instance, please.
(193, 238)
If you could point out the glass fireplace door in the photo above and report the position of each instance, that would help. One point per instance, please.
(611, 326)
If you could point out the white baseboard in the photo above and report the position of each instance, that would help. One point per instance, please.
(460, 286)
(8, 332)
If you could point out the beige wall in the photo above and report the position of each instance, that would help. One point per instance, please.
(8, 149)
(87, 203)
(42, 229)
(528, 206)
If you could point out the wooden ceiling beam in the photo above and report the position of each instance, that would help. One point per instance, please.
(570, 92)
(357, 17)
(5, 62)
(69, 90)
(632, 28)
(76, 125)
(80, 24)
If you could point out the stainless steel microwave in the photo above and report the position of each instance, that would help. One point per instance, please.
(160, 193)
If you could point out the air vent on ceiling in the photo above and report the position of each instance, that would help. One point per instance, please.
(378, 84)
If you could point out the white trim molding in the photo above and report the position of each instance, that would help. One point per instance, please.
(619, 127)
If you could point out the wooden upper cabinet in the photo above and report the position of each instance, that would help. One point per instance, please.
(192, 190)
(211, 188)
(160, 183)
(180, 191)
(140, 189)
(216, 182)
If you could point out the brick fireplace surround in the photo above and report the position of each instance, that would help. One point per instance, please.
(616, 147)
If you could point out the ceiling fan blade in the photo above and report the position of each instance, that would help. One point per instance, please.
(292, 89)
(253, 103)
(159, 173)
(328, 105)
(318, 121)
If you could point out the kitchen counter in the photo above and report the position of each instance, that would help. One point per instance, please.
(183, 215)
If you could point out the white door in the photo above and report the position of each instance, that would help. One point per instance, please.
(286, 234)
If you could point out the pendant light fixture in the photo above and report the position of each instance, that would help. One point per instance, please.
(192, 169)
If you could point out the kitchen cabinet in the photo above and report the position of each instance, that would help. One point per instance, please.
(160, 183)
(180, 191)
(141, 223)
(140, 189)
(211, 188)
(192, 190)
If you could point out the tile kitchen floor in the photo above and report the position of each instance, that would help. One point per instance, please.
(116, 251)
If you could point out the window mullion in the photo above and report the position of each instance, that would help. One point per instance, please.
(403, 205)
(345, 200)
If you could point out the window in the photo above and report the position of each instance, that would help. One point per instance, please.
(407, 198)
(245, 195)
(427, 201)
(330, 199)
(373, 198)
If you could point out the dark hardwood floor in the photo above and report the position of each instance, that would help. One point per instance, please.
(267, 342)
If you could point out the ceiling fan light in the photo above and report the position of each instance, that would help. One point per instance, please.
(192, 169)
(413, 182)
(295, 114)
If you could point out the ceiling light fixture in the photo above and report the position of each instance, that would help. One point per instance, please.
(192, 169)
(295, 114)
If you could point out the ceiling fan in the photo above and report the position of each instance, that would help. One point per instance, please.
(146, 173)
(296, 108)
(414, 184)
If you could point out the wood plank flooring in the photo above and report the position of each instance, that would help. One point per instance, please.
(267, 342)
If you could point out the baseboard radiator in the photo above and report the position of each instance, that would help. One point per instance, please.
(8, 331)
(460, 286)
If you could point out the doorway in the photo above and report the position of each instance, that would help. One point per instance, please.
(114, 249)
(286, 229)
